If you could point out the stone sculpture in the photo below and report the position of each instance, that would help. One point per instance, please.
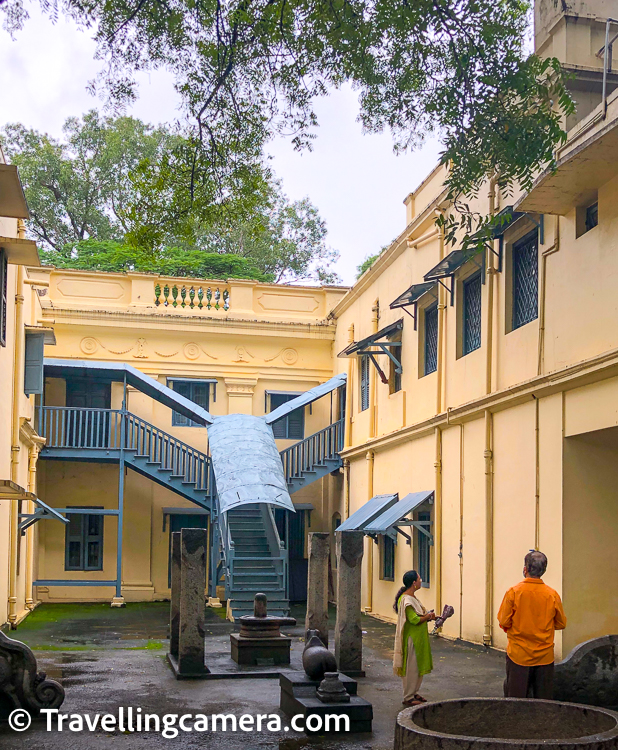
(589, 674)
(317, 659)
(259, 640)
(332, 690)
(21, 685)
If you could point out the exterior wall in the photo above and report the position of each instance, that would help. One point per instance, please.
(517, 438)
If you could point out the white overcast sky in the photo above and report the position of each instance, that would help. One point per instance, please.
(355, 180)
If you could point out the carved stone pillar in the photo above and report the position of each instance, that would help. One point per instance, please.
(240, 393)
(348, 631)
(317, 584)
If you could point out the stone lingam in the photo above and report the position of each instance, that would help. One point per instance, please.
(260, 641)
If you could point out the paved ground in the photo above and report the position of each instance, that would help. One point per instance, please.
(111, 658)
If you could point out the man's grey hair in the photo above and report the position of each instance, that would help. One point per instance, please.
(536, 564)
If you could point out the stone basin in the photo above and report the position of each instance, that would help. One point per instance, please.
(505, 723)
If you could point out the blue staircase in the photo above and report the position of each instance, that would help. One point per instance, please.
(248, 555)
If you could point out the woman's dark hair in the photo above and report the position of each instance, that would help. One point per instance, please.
(408, 579)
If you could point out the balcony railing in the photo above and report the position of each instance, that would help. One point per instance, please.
(313, 451)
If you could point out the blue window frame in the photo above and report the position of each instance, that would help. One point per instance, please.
(83, 548)
(525, 280)
(197, 391)
(364, 382)
(292, 426)
(431, 339)
(424, 551)
(471, 314)
(388, 558)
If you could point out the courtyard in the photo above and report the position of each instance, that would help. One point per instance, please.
(108, 658)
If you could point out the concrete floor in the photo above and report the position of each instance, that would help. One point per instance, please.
(110, 658)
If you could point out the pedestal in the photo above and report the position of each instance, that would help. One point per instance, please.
(298, 696)
(260, 651)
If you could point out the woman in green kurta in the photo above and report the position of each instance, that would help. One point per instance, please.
(412, 659)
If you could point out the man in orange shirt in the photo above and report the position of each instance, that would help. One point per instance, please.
(530, 613)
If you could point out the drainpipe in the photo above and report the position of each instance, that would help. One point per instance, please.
(375, 323)
(370, 459)
(543, 291)
(461, 523)
(437, 533)
(349, 401)
(33, 453)
(537, 476)
(441, 328)
(346, 485)
(489, 528)
(491, 271)
(18, 380)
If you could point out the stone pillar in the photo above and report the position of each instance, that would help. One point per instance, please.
(175, 595)
(191, 632)
(348, 631)
(317, 584)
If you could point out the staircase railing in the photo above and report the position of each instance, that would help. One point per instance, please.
(313, 450)
(113, 429)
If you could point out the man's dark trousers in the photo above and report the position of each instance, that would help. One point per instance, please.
(529, 682)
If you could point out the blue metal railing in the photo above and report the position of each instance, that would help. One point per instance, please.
(313, 451)
(116, 429)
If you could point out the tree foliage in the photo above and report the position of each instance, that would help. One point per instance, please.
(110, 255)
(248, 68)
(127, 186)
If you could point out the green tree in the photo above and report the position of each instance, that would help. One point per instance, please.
(127, 186)
(109, 255)
(249, 68)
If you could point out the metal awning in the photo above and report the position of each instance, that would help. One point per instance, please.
(411, 297)
(395, 516)
(450, 264)
(246, 463)
(313, 394)
(118, 371)
(11, 491)
(367, 512)
(49, 336)
(12, 199)
(20, 252)
(377, 343)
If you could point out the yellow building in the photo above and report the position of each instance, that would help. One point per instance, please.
(21, 373)
(480, 421)
(503, 414)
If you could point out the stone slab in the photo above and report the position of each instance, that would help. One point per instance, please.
(297, 683)
(358, 710)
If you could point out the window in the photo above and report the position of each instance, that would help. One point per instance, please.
(4, 270)
(525, 280)
(424, 550)
(197, 391)
(388, 558)
(364, 382)
(592, 216)
(292, 426)
(394, 377)
(84, 542)
(33, 371)
(471, 314)
(431, 339)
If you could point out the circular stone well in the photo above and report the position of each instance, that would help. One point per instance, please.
(505, 724)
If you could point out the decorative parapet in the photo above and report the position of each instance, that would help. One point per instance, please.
(194, 297)
(241, 299)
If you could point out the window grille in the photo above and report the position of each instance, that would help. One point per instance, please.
(198, 392)
(4, 269)
(364, 382)
(472, 314)
(292, 426)
(525, 280)
(388, 558)
(431, 339)
(84, 542)
(424, 551)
